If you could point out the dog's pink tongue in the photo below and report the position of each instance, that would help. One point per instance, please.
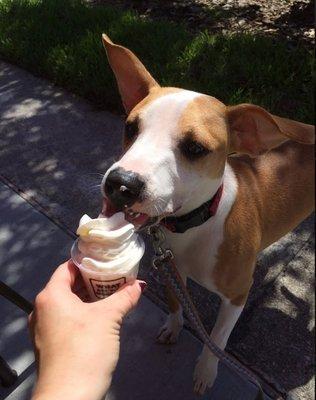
(108, 209)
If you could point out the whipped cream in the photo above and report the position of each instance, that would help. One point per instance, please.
(109, 243)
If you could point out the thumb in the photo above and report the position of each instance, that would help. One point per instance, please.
(125, 298)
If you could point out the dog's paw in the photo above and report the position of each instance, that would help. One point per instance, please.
(169, 332)
(205, 373)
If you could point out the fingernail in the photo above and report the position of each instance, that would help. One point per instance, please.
(142, 285)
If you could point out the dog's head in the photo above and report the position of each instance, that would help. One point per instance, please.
(176, 142)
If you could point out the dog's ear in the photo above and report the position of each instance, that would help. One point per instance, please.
(253, 130)
(133, 79)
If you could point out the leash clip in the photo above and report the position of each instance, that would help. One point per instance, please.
(162, 254)
(158, 239)
(164, 258)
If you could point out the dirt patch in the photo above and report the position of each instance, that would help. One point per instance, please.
(287, 19)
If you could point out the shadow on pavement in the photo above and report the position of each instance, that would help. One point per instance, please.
(29, 253)
(49, 147)
(52, 142)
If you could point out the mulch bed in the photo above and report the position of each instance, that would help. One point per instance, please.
(291, 20)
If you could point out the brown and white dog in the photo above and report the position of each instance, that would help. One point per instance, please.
(177, 144)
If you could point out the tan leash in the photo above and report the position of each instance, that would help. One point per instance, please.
(163, 261)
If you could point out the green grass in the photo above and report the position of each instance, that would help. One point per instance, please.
(61, 40)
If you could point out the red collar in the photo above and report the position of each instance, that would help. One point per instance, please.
(195, 217)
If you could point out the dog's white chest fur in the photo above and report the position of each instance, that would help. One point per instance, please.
(196, 249)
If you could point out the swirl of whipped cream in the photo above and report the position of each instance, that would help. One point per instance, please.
(108, 243)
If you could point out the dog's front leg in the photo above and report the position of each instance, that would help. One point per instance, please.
(169, 332)
(206, 367)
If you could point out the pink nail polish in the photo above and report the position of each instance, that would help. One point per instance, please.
(143, 286)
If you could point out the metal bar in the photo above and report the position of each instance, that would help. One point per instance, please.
(8, 376)
(15, 298)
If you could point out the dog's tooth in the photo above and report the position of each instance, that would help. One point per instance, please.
(132, 214)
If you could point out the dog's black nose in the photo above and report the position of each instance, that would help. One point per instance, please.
(123, 187)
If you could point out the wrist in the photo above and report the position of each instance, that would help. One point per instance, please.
(54, 386)
(50, 392)
(65, 391)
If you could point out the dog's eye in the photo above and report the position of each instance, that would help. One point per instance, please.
(193, 149)
(131, 129)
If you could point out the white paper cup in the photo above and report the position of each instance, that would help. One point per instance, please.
(101, 284)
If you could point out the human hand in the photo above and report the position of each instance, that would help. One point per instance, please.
(77, 343)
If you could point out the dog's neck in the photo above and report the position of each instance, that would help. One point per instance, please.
(196, 217)
(202, 195)
(228, 182)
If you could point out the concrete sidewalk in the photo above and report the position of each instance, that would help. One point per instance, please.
(31, 246)
(53, 146)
